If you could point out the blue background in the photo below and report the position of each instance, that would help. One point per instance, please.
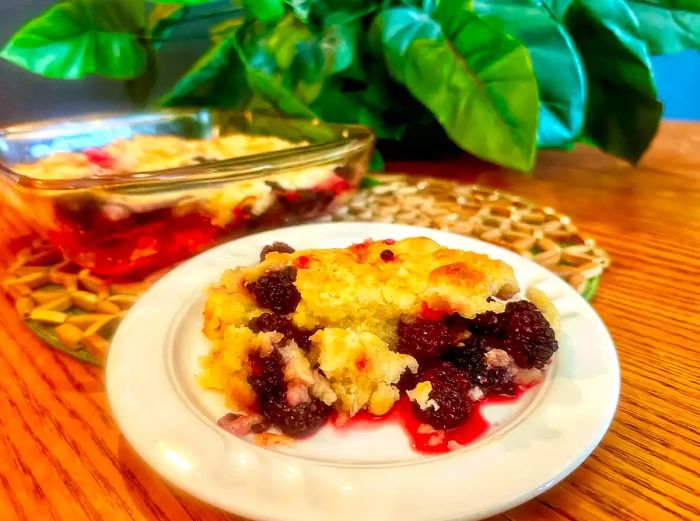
(678, 81)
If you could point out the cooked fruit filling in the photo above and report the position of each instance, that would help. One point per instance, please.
(275, 290)
(306, 335)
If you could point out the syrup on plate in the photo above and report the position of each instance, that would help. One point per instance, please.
(423, 439)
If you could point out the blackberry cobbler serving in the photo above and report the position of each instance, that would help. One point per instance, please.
(383, 329)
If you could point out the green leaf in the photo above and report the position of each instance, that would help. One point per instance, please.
(217, 79)
(268, 85)
(340, 33)
(283, 40)
(290, 56)
(376, 164)
(623, 113)
(183, 2)
(265, 10)
(324, 12)
(73, 39)
(476, 80)
(224, 29)
(300, 8)
(162, 19)
(691, 6)
(309, 69)
(339, 106)
(558, 8)
(278, 96)
(369, 182)
(429, 6)
(272, 48)
(668, 26)
(557, 64)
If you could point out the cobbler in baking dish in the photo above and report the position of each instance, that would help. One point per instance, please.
(124, 232)
(310, 337)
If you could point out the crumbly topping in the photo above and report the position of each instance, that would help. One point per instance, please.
(271, 439)
(498, 358)
(453, 445)
(528, 376)
(297, 393)
(322, 389)
(363, 289)
(227, 304)
(298, 370)
(476, 394)
(297, 367)
(225, 367)
(147, 153)
(421, 395)
(425, 428)
(437, 438)
(382, 399)
(360, 367)
(265, 341)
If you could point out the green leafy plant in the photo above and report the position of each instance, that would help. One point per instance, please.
(497, 78)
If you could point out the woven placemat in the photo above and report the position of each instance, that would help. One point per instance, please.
(77, 312)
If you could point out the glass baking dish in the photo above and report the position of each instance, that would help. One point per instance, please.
(126, 225)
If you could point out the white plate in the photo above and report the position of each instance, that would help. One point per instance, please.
(367, 475)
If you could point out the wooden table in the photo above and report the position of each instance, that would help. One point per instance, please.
(61, 455)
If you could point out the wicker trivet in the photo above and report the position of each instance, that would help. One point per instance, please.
(76, 312)
(67, 306)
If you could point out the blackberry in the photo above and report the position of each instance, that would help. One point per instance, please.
(272, 322)
(275, 290)
(469, 359)
(346, 172)
(303, 338)
(281, 324)
(450, 391)
(298, 420)
(527, 336)
(424, 340)
(484, 323)
(456, 323)
(280, 247)
(498, 381)
(407, 381)
(267, 375)
(305, 202)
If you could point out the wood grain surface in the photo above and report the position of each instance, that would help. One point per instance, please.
(62, 457)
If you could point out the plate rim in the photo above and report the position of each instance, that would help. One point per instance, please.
(604, 420)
